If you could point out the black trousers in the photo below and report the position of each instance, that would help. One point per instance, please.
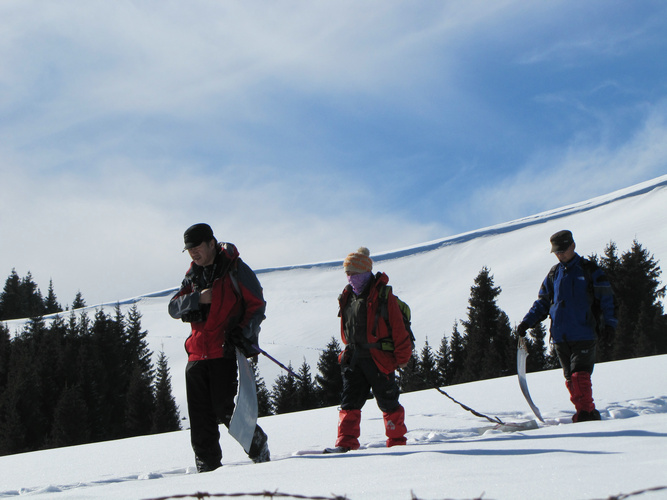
(360, 376)
(211, 387)
(576, 356)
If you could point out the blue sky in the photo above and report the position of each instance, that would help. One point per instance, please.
(302, 130)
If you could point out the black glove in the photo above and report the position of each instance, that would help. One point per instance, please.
(522, 329)
(242, 343)
(607, 334)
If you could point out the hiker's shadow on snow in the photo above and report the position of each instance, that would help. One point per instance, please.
(406, 451)
(471, 452)
(597, 434)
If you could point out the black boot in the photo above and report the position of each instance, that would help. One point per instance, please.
(204, 467)
(586, 416)
(259, 449)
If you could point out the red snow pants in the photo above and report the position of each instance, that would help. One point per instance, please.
(581, 391)
(360, 376)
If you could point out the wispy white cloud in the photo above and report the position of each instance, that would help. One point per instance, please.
(118, 232)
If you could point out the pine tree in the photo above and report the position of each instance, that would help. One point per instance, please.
(78, 301)
(457, 356)
(32, 297)
(329, 381)
(111, 376)
(410, 377)
(20, 298)
(5, 347)
(610, 261)
(70, 419)
(78, 326)
(488, 342)
(428, 369)
(443, 362)
(49, 363)
(165, 414)
(13, 432)
(23, 424)
(644, 344)
(139, 405)
(11, 298)
(136, 346)
(284, 393)
(537, 357)
(635, 278)
(51, 301)
(306, 392)
(263, 394)
(137, 361)
(610, 264)
(91, 378)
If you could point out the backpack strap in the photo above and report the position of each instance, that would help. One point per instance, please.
(589, 268)
(382, 309)
(550, 279)
(387, 343)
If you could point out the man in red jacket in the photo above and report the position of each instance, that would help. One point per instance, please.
(377, 342)
(222, 300)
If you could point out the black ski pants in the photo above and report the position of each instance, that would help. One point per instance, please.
(211, 387)
(360, 376)
(578, 356)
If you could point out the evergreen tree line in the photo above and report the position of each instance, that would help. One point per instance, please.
(484, 345)
(21, 298)
(78, 381)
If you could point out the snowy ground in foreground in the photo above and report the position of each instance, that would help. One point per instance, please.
(446, 456)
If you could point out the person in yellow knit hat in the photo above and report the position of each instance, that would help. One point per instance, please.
(376, 344)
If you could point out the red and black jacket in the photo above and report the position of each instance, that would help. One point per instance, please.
(236, 310)
(376, 330)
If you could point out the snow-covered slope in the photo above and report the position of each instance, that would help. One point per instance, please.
(446, 456)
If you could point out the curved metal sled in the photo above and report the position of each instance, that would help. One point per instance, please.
(521, 355)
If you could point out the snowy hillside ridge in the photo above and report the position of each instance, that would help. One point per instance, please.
(450, 452)
(630, 192)
(636, 190)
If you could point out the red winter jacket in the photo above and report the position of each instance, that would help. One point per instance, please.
(237, 304)
(386, 361)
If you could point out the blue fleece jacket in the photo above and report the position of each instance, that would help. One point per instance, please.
(571, 313)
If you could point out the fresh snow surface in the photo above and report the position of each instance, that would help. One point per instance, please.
(446, 457)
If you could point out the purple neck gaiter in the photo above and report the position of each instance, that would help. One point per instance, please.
(359, 281)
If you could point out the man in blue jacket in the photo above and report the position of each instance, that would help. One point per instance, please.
(574, 295)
